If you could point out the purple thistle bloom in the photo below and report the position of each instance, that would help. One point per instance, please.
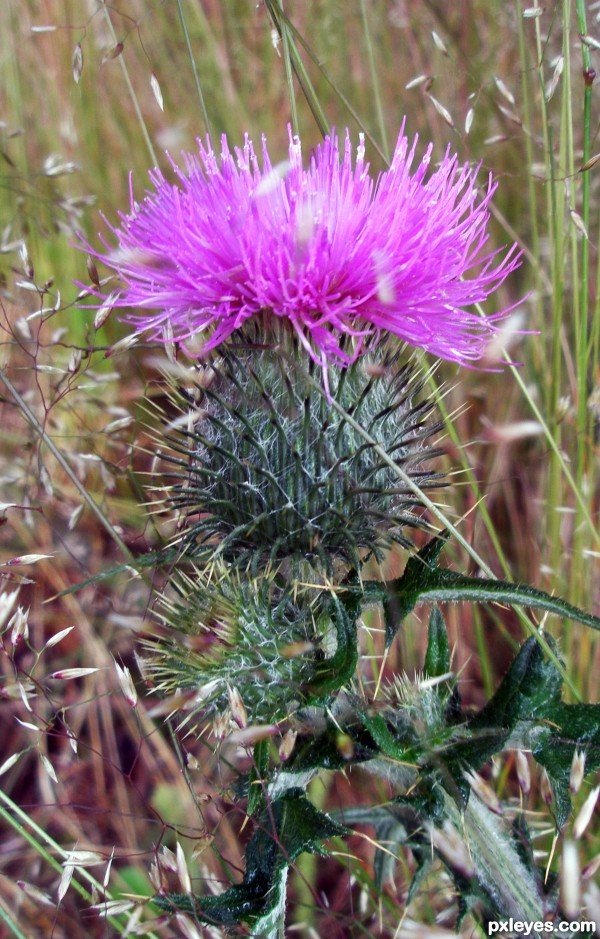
(329, 248)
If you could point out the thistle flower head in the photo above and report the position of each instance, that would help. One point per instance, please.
(328, 247)
(242, 645)
(267, 470)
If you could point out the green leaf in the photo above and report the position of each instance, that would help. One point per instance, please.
(333, 673)
(423, 581)
(302, 827)
(289, 826)
(316, 752)
(524, 846)
(257, 777)
(423, 862)
(426, 800)
(145, 560)
(471, 750)
(321, 750)
(405, 592)
(437, 657)
(530, 692)
(405, 751)
(531, 685)
(571, 727)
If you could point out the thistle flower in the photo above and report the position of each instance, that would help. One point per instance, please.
(329, 248)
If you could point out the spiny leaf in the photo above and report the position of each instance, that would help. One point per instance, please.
(424, 581)
(298, 827)
(405, 751)
(437, 657)
(571, 727)
(332, 674)
(531, 685)
(257, 777)
(530, 692)
(151, 559)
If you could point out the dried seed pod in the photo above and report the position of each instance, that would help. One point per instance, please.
(585, 813)
(577, 771)
(523, 772)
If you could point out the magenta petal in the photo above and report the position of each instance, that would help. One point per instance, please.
(329, 248)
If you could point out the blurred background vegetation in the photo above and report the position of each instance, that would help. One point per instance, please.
(93, 95)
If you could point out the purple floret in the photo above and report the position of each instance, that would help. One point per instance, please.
(329, 248)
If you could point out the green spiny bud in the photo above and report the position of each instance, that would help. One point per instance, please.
(237, 645)
(269, 470)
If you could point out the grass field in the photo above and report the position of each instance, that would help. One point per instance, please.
(92, 96)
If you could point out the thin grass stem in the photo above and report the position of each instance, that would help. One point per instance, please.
(281, 25)
(583, 345)
(336, 90)
(309, 92)
(195, 73)
(131, 90)
(375, 82)
(579, 497)
(20, 822)
(58, 456)
(9, 921)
